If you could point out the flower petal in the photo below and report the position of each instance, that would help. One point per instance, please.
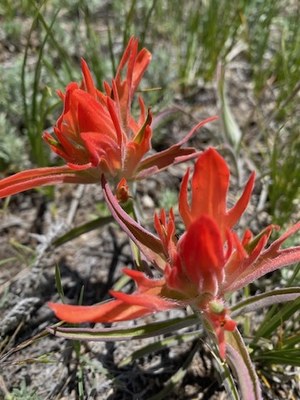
(88, 83)
(123, 88)
(142, 281)
(173, 155)
(184, 207)
(270, 260)
(210, 183)
(201, 255)
(37, 177)
(153, 302)
(107, 312)
(235, 213)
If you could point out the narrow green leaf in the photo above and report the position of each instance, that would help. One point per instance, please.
(38, 67)
(26, 343)
(80, 299)
(257, 302)
(110, 48)
(293, 278)
(121, 282)
(291, 341)
(64, 56)
(227, 378)
(129, 18)
(24, 64)
(7, 260)
(281, 357)
(58, 283)
(112, 334)
(146, 22)
(80, 230)
(232, 131)
(269, 325)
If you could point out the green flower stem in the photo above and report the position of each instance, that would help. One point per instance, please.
(132, 207)
(221, 365)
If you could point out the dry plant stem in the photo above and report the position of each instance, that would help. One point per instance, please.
(26, 343)
(3, 387)
(75, 203)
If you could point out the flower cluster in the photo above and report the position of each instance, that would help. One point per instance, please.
(101, 142)
(201, 267)
(96, 133)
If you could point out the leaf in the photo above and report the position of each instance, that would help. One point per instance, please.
(282, 356)
(58, 283)
(240, 362)
(112, 334)
(33, 178)
(149, 244)
(257, 302)
(232, 131)
(270, 259)
(221, 366)
(80, 230)
(269, 325)
(172, 155)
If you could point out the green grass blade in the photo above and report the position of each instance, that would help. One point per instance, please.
(80, 230)
(269, 325)
(279, 357)
(58, 283)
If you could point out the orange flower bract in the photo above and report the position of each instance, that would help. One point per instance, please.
(206, 263)
(96, 133)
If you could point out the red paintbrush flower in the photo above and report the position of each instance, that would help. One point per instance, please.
(206, 263)
(210, 183)
(96, 132)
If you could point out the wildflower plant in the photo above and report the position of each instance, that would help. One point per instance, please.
(96, 133)
(101, 142)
